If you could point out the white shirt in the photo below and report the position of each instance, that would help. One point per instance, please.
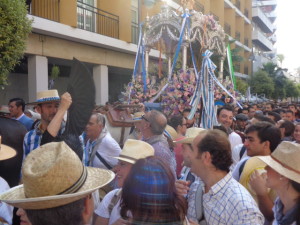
(102, 209)
(236, 155)
(6, 211)
(108, 148)
(234, 140)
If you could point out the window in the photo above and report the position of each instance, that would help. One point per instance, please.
(86, 15)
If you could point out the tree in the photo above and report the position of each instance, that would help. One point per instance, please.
(280, 58)
(14, 30)
(291, 89)
(241, 85)
(261, 83)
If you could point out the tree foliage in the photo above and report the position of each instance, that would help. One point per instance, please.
(14, 30)
(262, 83)
(241, 85)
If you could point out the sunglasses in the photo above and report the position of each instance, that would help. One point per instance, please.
(143, 117)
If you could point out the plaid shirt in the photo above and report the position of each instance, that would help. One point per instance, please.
(228, 202)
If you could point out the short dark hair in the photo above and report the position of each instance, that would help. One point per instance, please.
(19, 102)
(266, 132)
(288, 126)
(271, 104)
(221, 128)
(290, 111)
(217, 144)
(61, 215)
(176, 121)
(277, 116)
(263, 118)
(225, 107)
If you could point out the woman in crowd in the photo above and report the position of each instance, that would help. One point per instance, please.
(108, 212)
(283, 175)
(149, 195)
(297, 133)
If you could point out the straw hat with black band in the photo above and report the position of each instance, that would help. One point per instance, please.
(134, 150)
(46, 97)
(6, 152)
(285, 160)
(53, 175)
(190, 135)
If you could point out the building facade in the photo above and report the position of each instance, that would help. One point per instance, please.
(263, 36)
(103, 34)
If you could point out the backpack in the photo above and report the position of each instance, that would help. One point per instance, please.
(114, 200)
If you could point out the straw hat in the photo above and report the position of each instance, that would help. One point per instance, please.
(190, 135)
(53, 175)
(137, 117)
(6, 152)
(285, 160)
(4, 109)
(134, 150)
(170, 132)
(46, 96)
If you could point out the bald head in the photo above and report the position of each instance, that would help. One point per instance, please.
(158, 122)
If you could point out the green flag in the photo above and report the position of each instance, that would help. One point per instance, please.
(230, 64)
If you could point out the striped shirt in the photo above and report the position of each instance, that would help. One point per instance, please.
(32, 139)
(228, 202)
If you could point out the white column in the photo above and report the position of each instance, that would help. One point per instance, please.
(37, 75)
(100, 75)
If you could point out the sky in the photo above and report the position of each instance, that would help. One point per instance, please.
(288, 32)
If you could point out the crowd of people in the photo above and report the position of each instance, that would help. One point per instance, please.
(244, 170)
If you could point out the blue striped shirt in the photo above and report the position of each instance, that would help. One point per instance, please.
(32, 139)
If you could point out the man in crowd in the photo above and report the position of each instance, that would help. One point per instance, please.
(290, 115)
(58, 191)
(225, 201)
(100, 147)
(262, 139)
(189, 184)
(191, 122)
(225, 117)
(153, 125)
(16, 108)
(269, 107)
(52, 110)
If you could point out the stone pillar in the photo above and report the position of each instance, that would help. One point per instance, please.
(37, 75)
(100, 75)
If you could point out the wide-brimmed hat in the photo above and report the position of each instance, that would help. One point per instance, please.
(285, 160)
(45, 97)
(6, 152)
(190, 135)
(53, 175)
(137, 117)
(134, 150)
(170, 132)
(4, 109)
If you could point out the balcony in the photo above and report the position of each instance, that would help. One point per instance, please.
(48, 9)
(96, 20)
(238, 4)
(199, 7)
(134, 32)
(227, 29)
(272, 3)
(261, 40)
(259, 17)
(238, 36)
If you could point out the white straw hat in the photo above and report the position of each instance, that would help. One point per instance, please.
(6, 152)
(53, 175)
(285, 160)
(134, 150)
(46, 96)
(190, 135)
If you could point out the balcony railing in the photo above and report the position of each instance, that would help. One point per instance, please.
(246, 42)
(238, 36)
(227, 29)
(48, 9)
(238, 4)
(96, 20)
(134, 32)
(199, 7)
